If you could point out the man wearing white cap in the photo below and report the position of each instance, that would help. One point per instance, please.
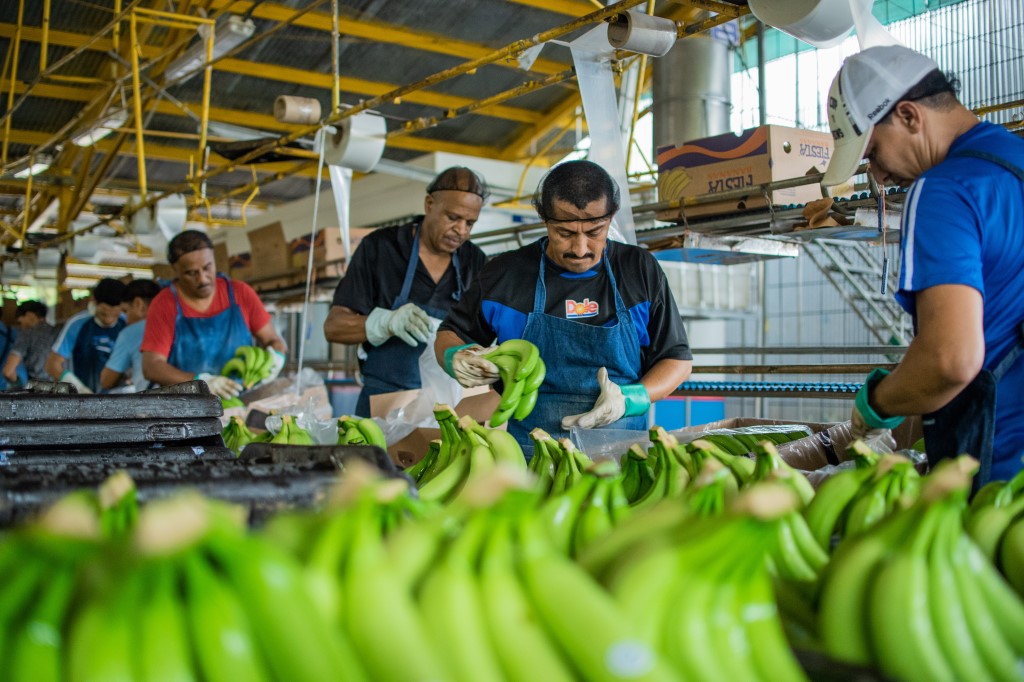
(962, 255)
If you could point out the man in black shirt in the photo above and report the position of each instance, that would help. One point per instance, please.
(599, 311)
(400, 277)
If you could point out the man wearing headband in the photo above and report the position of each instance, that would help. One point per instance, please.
(400, 277)
(600, 312)
(962, 255)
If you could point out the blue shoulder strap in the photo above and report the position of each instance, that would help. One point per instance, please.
(993, 158)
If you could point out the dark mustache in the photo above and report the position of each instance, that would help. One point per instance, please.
(569, 256)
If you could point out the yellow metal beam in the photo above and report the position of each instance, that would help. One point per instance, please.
(284, 74)
(375, 31)
(70, 39)
(160, 152)
(558, 117)
(365, 87)
(572, 8)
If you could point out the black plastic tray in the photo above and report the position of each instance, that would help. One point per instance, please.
(206, 448)
(54, 434)
(51, 403)
(337, 455)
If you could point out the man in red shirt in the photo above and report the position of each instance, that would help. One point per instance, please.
(195, 325)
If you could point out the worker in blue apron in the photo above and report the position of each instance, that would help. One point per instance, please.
(390, 366)
(599, 311)
(962, 256)
(88, 338)
(401, 282)
(571, 388)
(198, 323)
(204, 344)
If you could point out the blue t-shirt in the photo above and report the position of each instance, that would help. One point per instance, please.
(127, 354)
(100, 344)
(963, 223)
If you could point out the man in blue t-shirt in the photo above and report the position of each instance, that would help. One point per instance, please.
(962, 264)
(127, 354)
(87, 339)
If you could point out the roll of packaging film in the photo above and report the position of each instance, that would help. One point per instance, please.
(824, 23)
(300, 110)
(592, 57)
(356, 142)
(639, 32)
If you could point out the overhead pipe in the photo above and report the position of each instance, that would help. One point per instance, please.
(15, 50)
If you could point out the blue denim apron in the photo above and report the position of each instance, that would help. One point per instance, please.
(92, 350)
(395, 365)
(573, 352)
(966, 424)
(204, 344)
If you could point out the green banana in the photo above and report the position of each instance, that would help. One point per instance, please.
(295, 641)
(378, 606)
(38, 648)
(830, 502)
(101, 642)
(222, 635)
(523, 648)
(582, 618)
(164, 654)
(1011, 556)
(452, 610)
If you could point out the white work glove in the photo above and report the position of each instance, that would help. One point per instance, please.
(222, 387)
(614, 403)
(68, 377)
(410, 323)
(470, 368)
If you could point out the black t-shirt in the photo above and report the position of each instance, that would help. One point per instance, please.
(374, 278)
(496, 306)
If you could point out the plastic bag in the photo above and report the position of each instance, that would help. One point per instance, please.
(435, 387)
(607, 443)
(304, 396)
(829, 447)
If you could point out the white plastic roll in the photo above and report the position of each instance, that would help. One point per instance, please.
(640, 32)
(301, 110)
(357, 142)
(824, 23)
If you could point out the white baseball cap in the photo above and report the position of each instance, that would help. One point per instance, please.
(867, 87)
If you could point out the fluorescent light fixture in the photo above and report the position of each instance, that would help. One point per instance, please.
(100, 129)
(41, 163)
(227, 36)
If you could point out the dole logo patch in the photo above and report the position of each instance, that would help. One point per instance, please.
(584, 308)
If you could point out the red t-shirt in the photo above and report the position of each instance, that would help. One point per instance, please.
(159, 334)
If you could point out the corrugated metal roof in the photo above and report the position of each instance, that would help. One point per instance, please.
(432, 35)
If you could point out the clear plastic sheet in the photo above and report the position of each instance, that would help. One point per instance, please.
(829, 447)
(435, 387)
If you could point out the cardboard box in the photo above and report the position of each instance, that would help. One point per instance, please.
(163, 271)
(269, 249)
(479, 403)
(240, 266)
(728, 162)
(68, 305)
(10, 311)
(328, 248)
(220, 258)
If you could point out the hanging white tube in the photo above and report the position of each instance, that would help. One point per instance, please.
(591, 55)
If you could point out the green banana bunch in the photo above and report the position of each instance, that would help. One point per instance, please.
(522, 372)
(119, 508)
(466, 453)
(360, 431)
(994, 509)
(914, 596)
(563, 461)
(291, 433)
(768, 461)
(237, 435)
(671, 470)
(637, 474)
(227, 403)
(251, 364)
(701, 595)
